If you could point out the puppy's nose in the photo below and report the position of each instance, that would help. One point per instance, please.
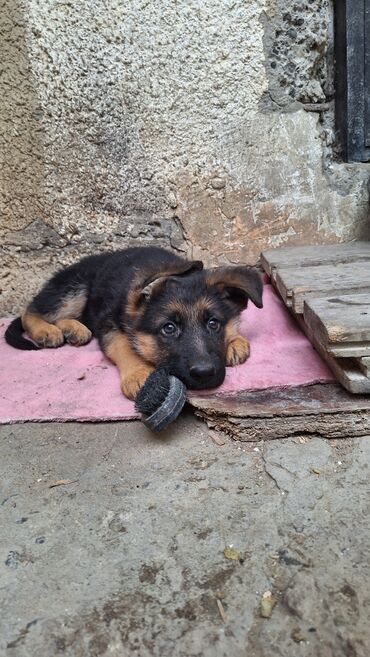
(202, 371)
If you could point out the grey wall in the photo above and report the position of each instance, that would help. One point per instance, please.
(183, 122)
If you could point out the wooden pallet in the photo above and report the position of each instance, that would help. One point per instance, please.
(310, 256)
(327, 288)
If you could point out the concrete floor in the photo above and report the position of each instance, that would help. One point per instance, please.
(128, 559)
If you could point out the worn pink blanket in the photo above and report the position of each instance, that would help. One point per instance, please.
(72, 383)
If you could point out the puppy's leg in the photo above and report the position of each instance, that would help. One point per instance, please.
(53, 314)
(237, 347)
(42, 332)
(132, 368)
(237, 351)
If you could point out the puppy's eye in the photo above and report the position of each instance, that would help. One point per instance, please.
(213, 324)
(169, 329)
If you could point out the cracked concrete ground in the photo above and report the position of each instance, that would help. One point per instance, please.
(127, 559)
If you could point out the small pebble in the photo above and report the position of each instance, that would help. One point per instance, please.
(233, 554)
(117, 525)
(13, 559)
(267, 604)
(297, 635)
(218, 183)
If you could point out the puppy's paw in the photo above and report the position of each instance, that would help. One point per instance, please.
(48, 337)
(131, 383)
(76, 333)
(237, 351)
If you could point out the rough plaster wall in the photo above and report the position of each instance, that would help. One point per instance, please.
(181, 122)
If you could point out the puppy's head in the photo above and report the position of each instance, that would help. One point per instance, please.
(184, 320)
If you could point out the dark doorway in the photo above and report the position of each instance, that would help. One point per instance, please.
(352, 62)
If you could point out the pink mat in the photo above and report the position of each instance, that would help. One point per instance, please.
(73, 383)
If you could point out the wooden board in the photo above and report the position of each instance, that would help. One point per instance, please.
(296, 285)
(339, 319)
(323, 409)
(345, 370)
(350, 350)
(303, 256)
(364, 365)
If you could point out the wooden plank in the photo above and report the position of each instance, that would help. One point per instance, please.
(350, 350)
(252, 429)
(339, 319)
(345, 369)
(364, 365)
(322, 281)
(324, 409)
(310, 400)
(317, 255)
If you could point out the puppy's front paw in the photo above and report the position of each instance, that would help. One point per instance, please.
(131, 383)
(75, 333)
(237, 351)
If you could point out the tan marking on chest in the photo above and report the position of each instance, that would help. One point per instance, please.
(147, 346)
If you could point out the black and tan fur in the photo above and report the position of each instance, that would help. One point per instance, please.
(148, 308)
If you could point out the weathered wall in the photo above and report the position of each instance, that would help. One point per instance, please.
(180, 122)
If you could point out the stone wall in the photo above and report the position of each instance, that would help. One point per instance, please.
(183, 123)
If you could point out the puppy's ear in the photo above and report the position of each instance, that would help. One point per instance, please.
(238, 284)
(154, 282)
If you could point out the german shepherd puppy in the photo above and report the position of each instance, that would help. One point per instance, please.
(147, 308)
